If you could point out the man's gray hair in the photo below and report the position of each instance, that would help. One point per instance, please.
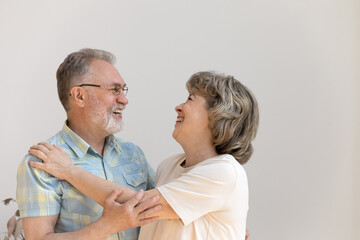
(73, 69)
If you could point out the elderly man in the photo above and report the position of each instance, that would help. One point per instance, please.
(94, 97)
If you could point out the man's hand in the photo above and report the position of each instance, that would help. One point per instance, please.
(118, 217)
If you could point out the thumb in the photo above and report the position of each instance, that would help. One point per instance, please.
(132, 202)
(113, 195)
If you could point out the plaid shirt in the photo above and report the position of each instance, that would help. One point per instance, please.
(41, 194)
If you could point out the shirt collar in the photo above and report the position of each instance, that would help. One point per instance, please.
(110, 143)
(76, 143)
(79, 146)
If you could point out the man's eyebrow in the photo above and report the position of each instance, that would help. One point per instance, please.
(119, 85)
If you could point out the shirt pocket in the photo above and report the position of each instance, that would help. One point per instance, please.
(135, 175)
(135, 180)
(76, 202)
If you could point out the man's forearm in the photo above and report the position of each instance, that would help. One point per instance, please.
(94, 231)
(42, 228)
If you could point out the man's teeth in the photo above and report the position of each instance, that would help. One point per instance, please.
(118, 111)
(179, 120)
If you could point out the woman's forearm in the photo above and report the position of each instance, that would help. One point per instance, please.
(95, 187)
(98, 189)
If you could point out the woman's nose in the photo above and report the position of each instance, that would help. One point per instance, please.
(178, 108)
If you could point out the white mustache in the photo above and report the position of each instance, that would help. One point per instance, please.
(121, 106)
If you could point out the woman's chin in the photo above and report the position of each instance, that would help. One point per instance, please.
(175, 135)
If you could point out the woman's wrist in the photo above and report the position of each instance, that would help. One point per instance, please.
(70, 171)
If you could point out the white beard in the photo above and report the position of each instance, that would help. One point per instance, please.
(105, 120)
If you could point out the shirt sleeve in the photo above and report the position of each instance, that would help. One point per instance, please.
(203, 189)
(37, 191)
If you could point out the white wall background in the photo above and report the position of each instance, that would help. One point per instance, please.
(300, 58)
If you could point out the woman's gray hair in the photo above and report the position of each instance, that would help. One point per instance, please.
(74, 67)
(233, 112)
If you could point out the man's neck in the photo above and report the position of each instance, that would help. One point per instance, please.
(94, 138)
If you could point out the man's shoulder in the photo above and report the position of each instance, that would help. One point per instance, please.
(26, 172)
(55, 139)
(127, 145)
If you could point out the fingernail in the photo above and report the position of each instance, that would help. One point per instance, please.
(140, 194)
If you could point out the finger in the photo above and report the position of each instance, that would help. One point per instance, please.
(150, 212)
(58, 148)
(37, 165)
(113, 195)
(47, 145)
(40, 148)
(148, 220)
(147, 203)
(38, 153)
(132, 202)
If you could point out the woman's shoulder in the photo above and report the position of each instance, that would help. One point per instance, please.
(224, 165)
(172, 161)
(225, 159)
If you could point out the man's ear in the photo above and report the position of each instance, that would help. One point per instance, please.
(78, 96)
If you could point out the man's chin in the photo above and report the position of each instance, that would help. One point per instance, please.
(115, 129)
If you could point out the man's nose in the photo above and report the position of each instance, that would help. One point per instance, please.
(121, 98)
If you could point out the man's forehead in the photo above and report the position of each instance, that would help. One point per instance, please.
(105, 73)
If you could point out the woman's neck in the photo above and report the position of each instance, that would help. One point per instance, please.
(195, 154)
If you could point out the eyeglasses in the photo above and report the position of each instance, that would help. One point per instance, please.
(116, 89)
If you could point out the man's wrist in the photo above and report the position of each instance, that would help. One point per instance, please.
(104, 227)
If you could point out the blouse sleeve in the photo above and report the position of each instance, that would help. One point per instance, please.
(205, 188)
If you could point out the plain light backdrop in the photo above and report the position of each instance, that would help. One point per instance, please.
(300, 58)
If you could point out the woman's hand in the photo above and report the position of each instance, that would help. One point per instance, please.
(118, 217)
(55, 160)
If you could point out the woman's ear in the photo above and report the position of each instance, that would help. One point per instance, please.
(78, 96)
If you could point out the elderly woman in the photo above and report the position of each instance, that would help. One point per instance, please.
(203, 191)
